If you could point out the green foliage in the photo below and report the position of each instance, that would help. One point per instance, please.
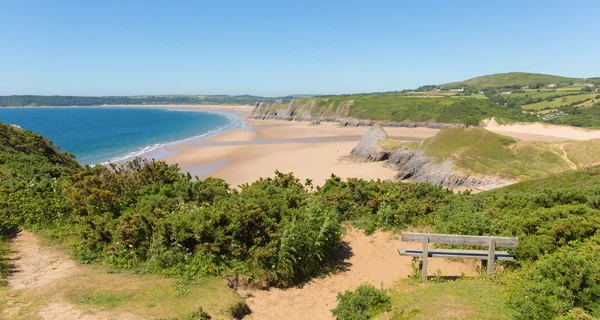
(559, 282)
(364, 303)
(581, 117)
(199, 314)
(31, 172)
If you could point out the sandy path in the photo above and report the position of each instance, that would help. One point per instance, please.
(37, 266)
(374, 259)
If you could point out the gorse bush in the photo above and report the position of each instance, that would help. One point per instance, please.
(559, 282)
(364, 303)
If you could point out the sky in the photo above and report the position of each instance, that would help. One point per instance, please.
(276, 48)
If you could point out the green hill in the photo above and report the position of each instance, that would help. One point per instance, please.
(512, 79)
(483, 152)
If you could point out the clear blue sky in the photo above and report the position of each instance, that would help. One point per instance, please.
(285, 47)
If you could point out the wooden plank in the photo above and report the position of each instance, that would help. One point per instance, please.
(460, 254)
(425, 256)
(459, 239)
(491, 258)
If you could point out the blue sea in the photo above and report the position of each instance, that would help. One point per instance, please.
(99, 135)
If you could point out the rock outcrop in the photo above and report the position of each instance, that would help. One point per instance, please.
(415, 166)
(368, 148)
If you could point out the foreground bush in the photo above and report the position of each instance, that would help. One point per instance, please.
(364, 303)
(559, 282)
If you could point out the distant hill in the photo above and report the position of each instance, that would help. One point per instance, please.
(513, 79)
(33, 100)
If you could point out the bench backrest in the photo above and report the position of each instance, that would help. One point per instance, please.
(459, 239)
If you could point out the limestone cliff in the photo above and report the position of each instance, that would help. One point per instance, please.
(324, 110)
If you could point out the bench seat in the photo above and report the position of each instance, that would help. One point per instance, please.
(451, 253)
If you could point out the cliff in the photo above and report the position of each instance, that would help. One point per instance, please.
(415, 166)
(331, 110)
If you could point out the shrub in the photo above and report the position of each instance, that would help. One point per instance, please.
(365, 302)
(559, 282)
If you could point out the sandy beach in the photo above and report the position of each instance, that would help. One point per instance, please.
(311, 151)
(541, 131)
(315, 152)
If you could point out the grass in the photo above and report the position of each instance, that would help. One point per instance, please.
(511, 79)
(146, 296)
(483, 152)
(398, 107)
(460, 299)
(390, 144)
(96, 290)
(558, 102)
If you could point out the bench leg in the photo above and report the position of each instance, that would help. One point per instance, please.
(424, 259)
(491, 259)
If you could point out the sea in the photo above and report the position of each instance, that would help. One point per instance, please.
(98, 135)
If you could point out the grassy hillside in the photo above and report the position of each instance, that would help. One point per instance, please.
(401, 107)
(559, 102)
(511, 79)
(484, 152)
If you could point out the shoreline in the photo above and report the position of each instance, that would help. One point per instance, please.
(309, 151)
(235, 114)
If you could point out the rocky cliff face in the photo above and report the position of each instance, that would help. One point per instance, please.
(415, 166)
(368, 149)
(320, 109)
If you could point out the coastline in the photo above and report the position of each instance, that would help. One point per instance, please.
(309, 151)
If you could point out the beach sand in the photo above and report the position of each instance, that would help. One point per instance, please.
(309, 151)
(541, 131)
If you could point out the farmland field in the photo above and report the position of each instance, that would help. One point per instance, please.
(559, 102)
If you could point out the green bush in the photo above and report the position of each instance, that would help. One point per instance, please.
(364, 303)
(559, 282)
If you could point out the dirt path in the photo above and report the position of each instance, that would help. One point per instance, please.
(565, 156)
(37, 266)
(374, 259)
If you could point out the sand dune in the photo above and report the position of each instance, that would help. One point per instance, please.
(541, 131)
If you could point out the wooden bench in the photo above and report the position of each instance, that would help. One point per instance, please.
(490, 255)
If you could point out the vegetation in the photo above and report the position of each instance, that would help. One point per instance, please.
(364, 303)
(483, 152)
(581, 117)
(29, 100)
(148, 217)
(501, 80)
(559, 102)
(401, 107)
(466, 298)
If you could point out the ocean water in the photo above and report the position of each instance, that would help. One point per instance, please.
(99, 135)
